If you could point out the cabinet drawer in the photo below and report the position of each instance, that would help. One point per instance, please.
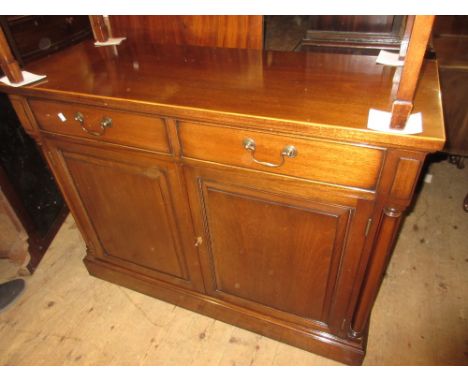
(101, 124)
(329, 162)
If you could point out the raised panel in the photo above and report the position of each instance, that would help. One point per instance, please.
(288, 251)
(405, 178)
(282, 255)
(130, 211)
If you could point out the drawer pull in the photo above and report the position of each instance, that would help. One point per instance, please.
(106, 122)
(288, 151)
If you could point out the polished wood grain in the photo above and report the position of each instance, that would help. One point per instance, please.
(403, 104)
(132, 129)
(387, 232)
(103, 187)
(99, 28)
(132, 209)
(8, 62)
(255, 263)
(317, 160)
(276, 250)
(395, 191)
(420, 34)
(23, 112)
(295, 252)
(239, 31)
(406, 36)
(403, 183)
(315, 94)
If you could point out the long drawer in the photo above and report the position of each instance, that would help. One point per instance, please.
(335, 163)
(130, 129)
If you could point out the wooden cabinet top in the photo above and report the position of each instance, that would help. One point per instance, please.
(320, 94)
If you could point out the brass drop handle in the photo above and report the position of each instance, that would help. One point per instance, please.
(288, 151)
(106, 122)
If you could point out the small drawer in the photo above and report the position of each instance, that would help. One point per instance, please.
(329, 162)
(101, 124)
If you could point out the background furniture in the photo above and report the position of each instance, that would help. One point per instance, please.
(450, 40)
(32, 37)
(358, 34)
(30, 195)
(28, 187)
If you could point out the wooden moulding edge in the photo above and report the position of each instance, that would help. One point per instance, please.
(302, 129)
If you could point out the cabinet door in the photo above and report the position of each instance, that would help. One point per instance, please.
(131, 209)
(282, 247)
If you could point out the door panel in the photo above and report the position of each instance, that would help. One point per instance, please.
(281, 254)
(129, 208)
(134, 208)
(287, 265)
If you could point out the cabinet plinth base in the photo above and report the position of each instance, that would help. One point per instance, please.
(317, 342)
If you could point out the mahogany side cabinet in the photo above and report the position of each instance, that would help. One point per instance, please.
(241, 184)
